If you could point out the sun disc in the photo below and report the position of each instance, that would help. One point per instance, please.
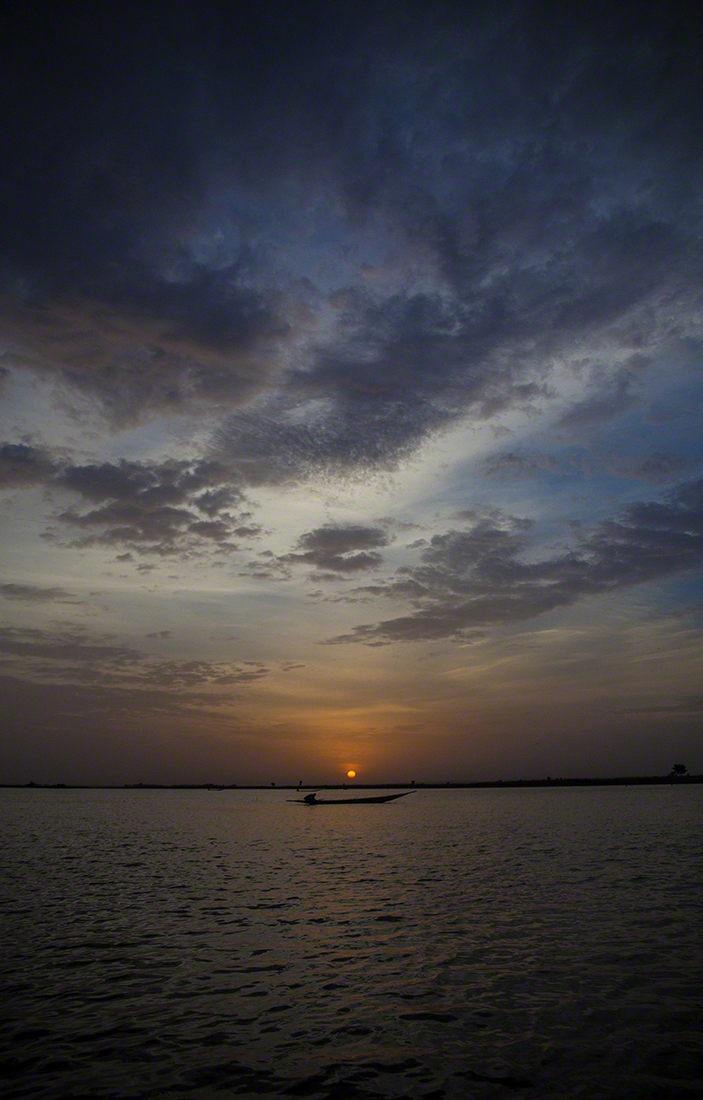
(351, 774)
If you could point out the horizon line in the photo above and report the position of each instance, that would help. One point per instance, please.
(548, 781)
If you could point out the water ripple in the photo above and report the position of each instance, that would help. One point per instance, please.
(470, 944)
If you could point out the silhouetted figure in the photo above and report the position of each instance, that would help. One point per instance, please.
(311, 799)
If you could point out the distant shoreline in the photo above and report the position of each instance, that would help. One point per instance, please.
(617, 781)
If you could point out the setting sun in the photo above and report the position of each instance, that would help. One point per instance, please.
(351, 774)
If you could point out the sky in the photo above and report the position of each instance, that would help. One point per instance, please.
(351, 361)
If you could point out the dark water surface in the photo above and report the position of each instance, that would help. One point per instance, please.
(539, 943)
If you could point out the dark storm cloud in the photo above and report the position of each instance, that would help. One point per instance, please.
(165, 508)
(339, 548)
(167, 483)
(473, 578)
(161, 507)
(110, 172)
(141, 361)
(159, 527)
(22, 465)
(289, 440)
(532, 175)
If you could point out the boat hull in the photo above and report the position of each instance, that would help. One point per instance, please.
(350, 801)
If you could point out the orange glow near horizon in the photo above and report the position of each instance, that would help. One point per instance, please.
(351, 774)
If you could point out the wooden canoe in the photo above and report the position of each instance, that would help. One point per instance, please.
(349, 801)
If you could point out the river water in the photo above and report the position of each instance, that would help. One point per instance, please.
(456, 943)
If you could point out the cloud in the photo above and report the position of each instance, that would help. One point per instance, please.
(267, 569)
(476, 577)
(613, 398)
(178, 675)
(343, 548)
(340, 251)
(688, 705)
(32, 593)
(70, 655)
(167, 483)
(156, 348)
(655, 467)
(22, 465)
(165, 508)
(250, 531)
(69, 645)
(518, 466)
